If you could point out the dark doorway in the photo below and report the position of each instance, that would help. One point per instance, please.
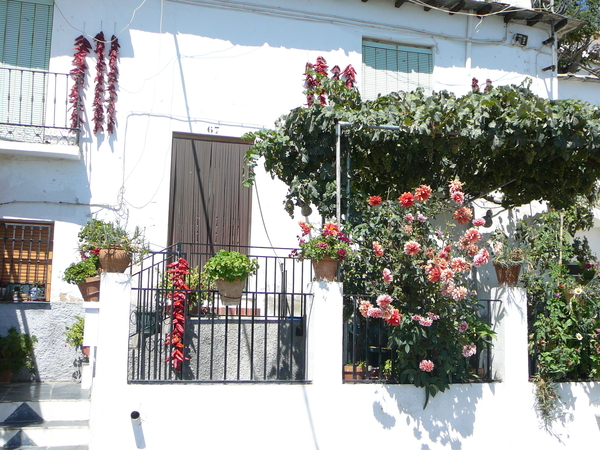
(208, 203)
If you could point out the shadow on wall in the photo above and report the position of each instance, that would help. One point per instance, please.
(448, 415)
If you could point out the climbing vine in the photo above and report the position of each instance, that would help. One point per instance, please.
(502, 138)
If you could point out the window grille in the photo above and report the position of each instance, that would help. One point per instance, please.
(391, 68)
(25, 260)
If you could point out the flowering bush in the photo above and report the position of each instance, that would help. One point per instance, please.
(331, 243)
(415, 256)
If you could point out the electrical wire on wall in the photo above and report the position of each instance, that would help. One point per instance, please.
(89, 35)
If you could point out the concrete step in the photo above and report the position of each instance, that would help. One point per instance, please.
(49, 434)
(62, 447)
(44, 416)
(48, 410)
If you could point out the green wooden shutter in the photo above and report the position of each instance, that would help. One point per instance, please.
(26, 31)
(390, 68)
(25, 36)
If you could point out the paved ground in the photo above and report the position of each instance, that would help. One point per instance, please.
(31, 392)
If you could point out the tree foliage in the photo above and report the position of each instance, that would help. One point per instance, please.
(578, 48)
(501, 138)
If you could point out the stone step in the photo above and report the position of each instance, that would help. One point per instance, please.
(49, 434)
(62, 447)
(48, 410)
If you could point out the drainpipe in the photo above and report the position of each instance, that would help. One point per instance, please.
(554, 91)
(338, 172)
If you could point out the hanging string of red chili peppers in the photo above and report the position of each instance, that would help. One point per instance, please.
(98, 105)
(113, 78)
(177, 271)
(82, 48)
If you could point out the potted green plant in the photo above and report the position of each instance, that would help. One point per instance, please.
(324, 250)
(115, 245)
(507, 258)
(85, 274)
(16, 353)
(230, 269)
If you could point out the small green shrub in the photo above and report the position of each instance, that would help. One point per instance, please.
(74, 333)
(16, 351)
(230, 266)
(77, 273)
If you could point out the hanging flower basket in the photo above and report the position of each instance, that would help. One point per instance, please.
(231, 292)
(114, 259)
(326, 269)
(90, 289)
(507, 275)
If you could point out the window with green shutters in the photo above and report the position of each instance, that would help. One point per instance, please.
(389, 68)
(25, 38)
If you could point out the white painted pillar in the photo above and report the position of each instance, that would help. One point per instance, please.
(510, 348)
(110, 378)
(324, 338)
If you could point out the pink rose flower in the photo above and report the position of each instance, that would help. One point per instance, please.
(387, 275)
(426, 365)
(412, 248)
(469, 350)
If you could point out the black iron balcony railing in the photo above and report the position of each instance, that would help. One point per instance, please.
(35, 108)
(367, 353)
(261, 339)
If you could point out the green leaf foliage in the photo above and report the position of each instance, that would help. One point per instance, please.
(503, 138)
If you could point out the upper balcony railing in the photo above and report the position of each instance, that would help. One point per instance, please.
(34, 107)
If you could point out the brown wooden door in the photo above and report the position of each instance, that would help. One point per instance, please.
(208, 204)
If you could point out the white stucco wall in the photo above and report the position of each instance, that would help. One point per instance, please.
(325, 413)
(226, 68)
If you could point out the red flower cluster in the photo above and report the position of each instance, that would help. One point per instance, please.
(375, 200)
(315, 73)
(407, 199)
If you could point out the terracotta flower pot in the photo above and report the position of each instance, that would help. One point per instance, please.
(90, 290)
(349, 372)
(231, 293)
(114, 260)
(507, 275)
(326, 269)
